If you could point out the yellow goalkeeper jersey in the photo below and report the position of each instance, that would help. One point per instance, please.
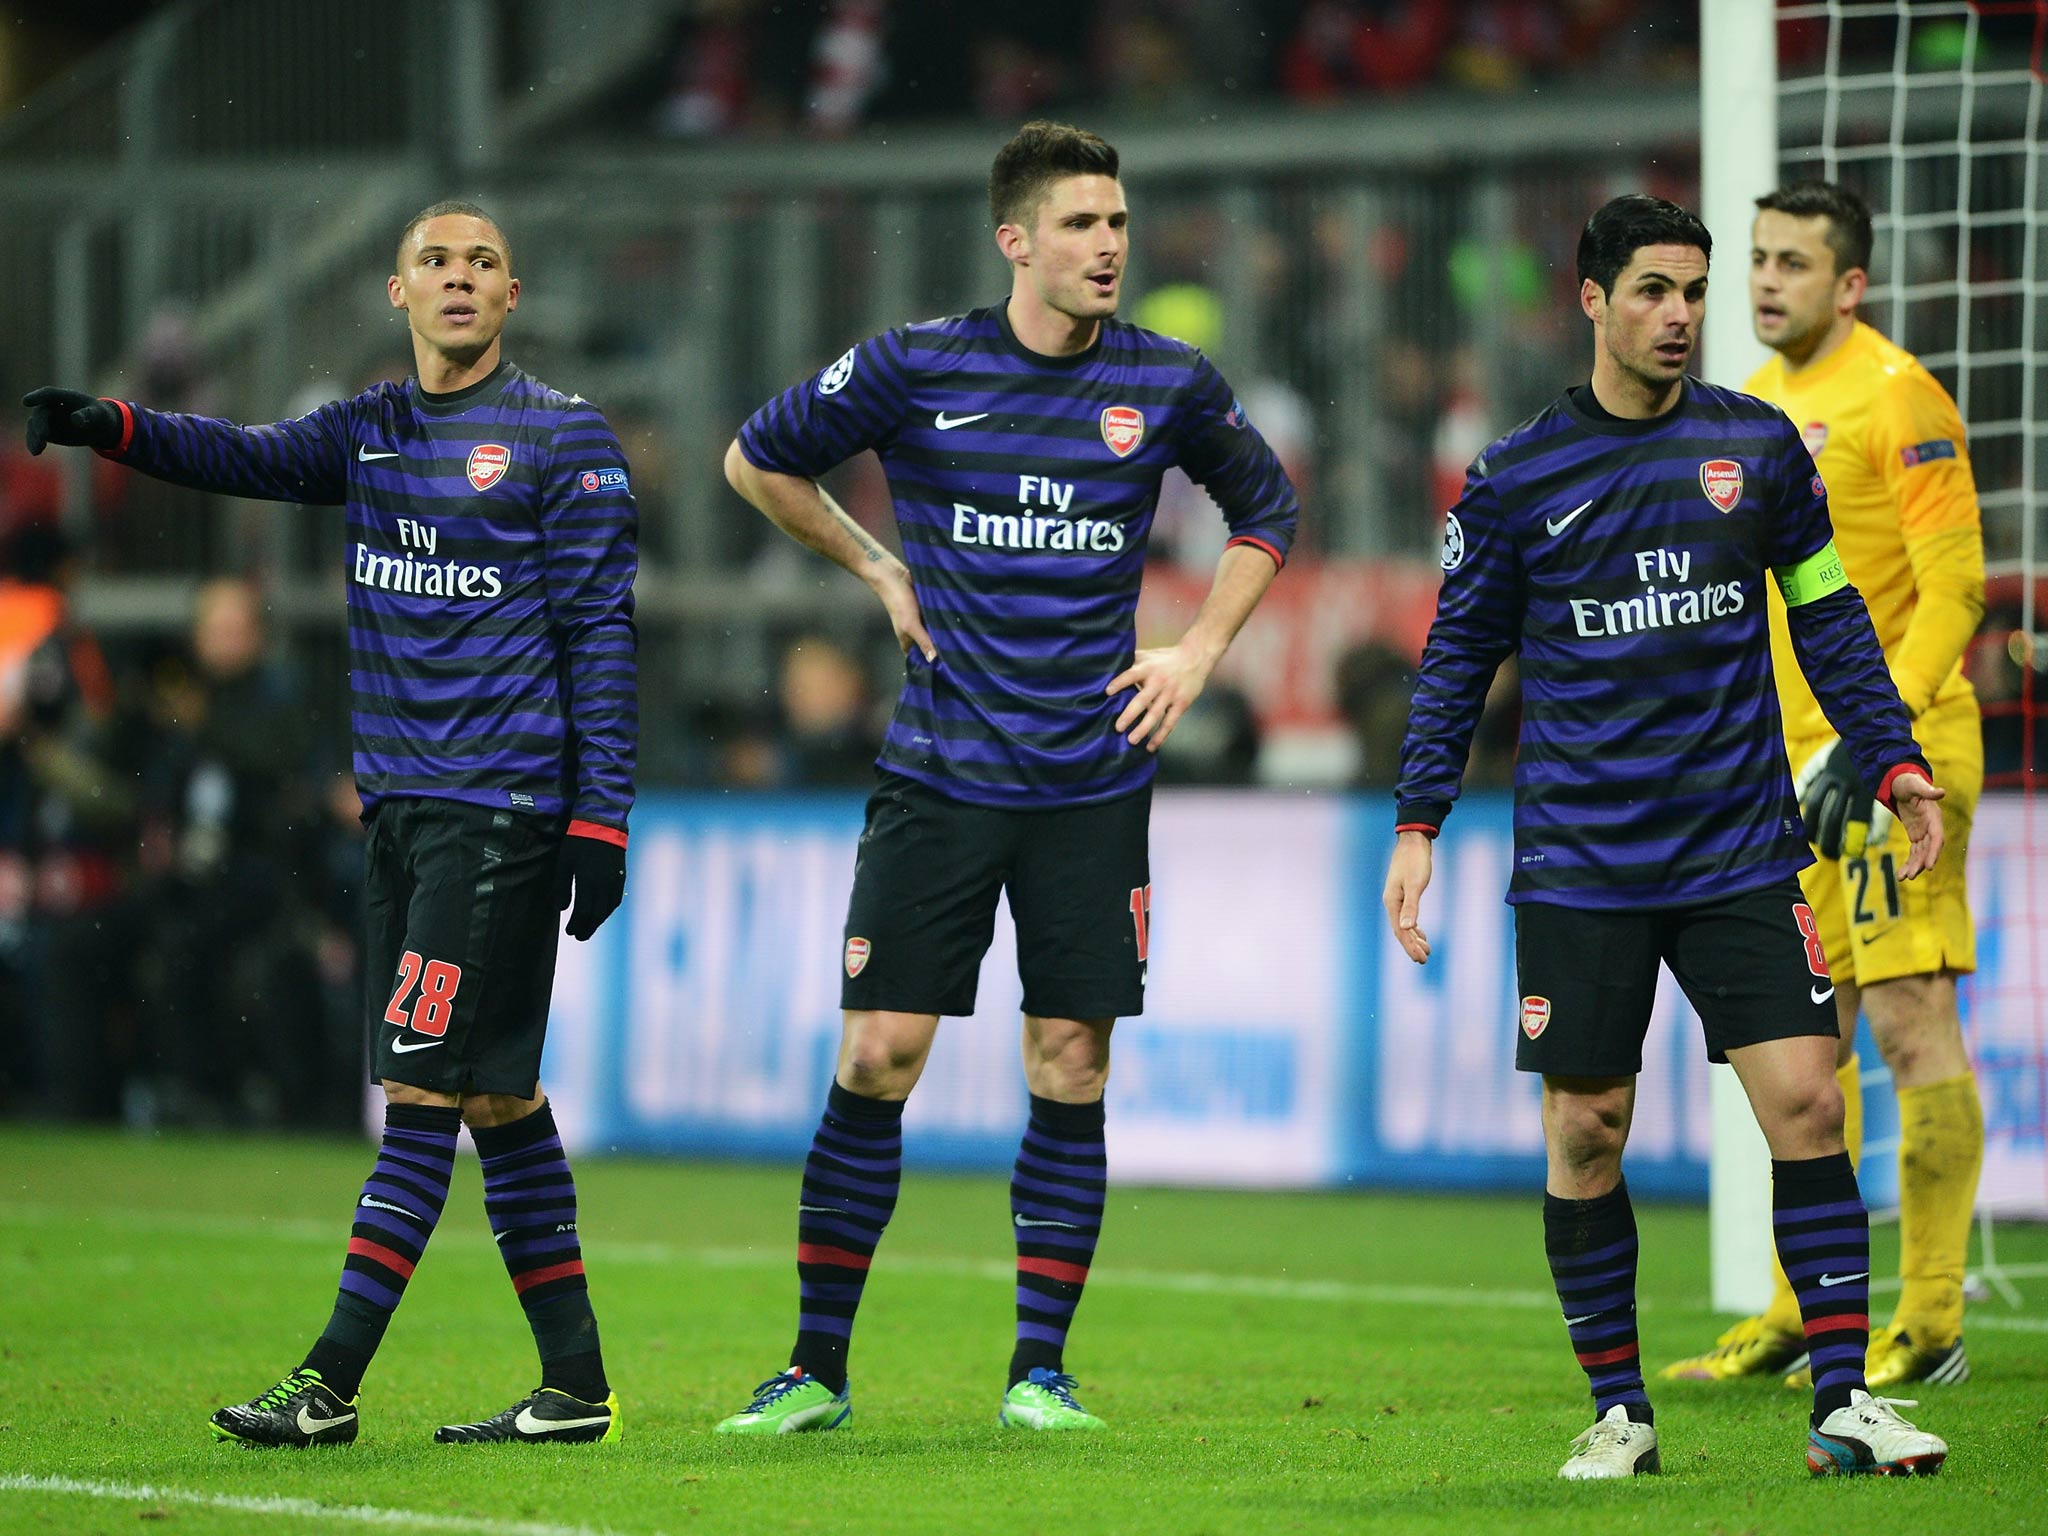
(1890, 447)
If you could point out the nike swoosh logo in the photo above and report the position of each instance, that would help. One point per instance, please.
(1558, 525)
(385, 1205)
(1573, 1322)
(1844, 1279)
(1819, 996)
(822, 1210)
(363, 455)
(528, 1423)
(420, 1045)
(947, 423)
(308, 1425)
(1026, 1221)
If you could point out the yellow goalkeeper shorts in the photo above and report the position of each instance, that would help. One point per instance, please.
(1874, 926)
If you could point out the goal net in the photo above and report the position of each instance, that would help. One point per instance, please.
(1933, 111)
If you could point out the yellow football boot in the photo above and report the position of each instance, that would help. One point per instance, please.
(1750, 1348)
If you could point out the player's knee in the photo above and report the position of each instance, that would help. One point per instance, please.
(486, 1110)
(1903, 1051)
(1809, 1116)
(1067, 1059)
(878, 1066)
(1590, 1131)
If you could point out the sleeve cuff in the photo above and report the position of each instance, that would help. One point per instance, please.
(1884, 788)
(616, 836)
(127, 430)
(1425, 828)
(1279, 560)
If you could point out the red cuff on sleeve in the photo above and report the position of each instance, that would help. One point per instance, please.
(1244, 538)
(127, 429)
(1884, 789)
(603, 834)
(1417, 826)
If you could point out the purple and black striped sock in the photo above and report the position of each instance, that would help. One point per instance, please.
(530, 1199)
(1056, 1199)
(850, 1182)
(1823, 1236)
(1592, 1250)
(395, 1215)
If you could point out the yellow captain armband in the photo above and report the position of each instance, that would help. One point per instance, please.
(1812, 578)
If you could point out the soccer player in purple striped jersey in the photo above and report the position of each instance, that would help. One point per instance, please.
(1024, 445)
(490, 601)
(1620, 541)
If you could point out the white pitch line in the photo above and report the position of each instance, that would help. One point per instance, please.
(1182, 1282)
(302, 1509)
(1194, 1283)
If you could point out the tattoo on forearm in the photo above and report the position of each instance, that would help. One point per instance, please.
(860, 535)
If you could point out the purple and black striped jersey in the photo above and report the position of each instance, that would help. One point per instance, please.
(1024, 487)
(491, 554)
(1625, 560)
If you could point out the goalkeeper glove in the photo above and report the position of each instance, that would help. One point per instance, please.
(70, 419)
(1842, 817)
(592, 873)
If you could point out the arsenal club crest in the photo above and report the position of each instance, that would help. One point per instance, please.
(1815, 435)
(857, 952)
(1721, 479)
(1535, 1016)
(487, 464)
(1123, 427)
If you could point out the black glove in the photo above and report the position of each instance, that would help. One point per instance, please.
(1831, 800)
(595, 872)
(70, 418)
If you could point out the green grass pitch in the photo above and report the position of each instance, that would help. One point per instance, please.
(1313, 1363)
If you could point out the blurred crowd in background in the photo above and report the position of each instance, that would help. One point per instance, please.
(829, 66)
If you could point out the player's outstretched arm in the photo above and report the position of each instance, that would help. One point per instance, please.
(1169, 678)
(303, 460)
(1407, 878)
(800, 508)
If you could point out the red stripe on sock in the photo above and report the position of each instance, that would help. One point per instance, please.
(1609, 1356)
(396, 1262)
(526, 1282)
(819, 1253)
(1842, 1322)
(1053, 1269)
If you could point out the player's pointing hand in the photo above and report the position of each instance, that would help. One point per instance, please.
(70, 419)
(1168, 680)
(1407, 878)
(1914, 797)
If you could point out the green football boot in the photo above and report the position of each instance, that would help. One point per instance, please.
(791, 1403)
(1045, 1400)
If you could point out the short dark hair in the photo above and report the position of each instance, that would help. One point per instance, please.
(452, 205)
(1040, 154)
(1849, 233)
(1625, 225)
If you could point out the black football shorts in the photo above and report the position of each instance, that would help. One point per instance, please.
(1750, 964)
(461, 935)
(923, 908)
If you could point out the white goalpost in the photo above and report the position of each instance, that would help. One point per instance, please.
(1932, 109)
(1738, 160)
